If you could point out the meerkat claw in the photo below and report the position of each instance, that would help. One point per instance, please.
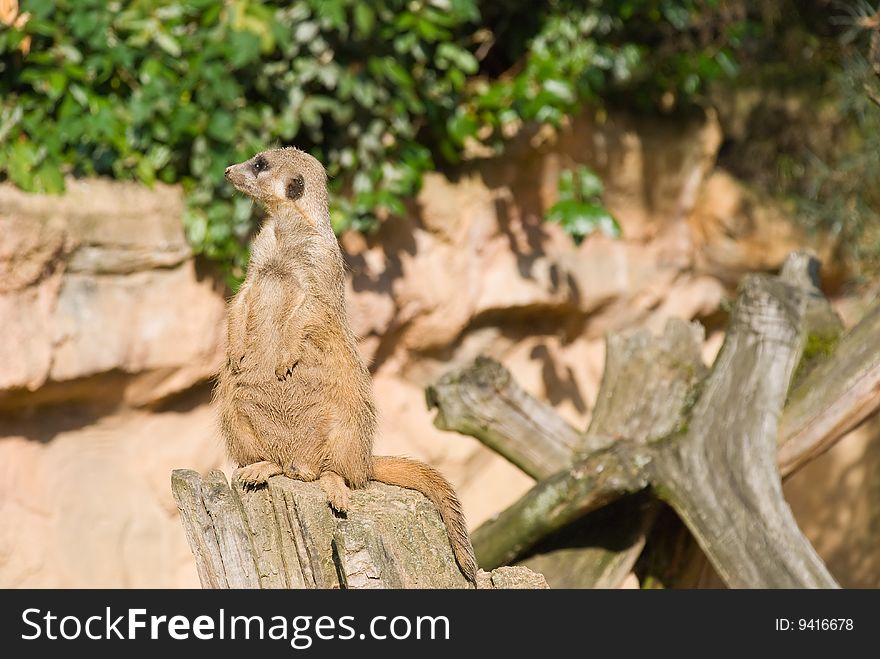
(256, 474)
(234, 364)
(285, 371)
(336, 491)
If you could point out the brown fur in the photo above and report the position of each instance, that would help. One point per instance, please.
(294, 395)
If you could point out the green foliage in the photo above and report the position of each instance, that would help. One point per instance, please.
(380, 91)
(579, 208)
(813, 130)
(838, 188)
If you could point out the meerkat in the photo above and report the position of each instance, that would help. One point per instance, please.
(294, 395)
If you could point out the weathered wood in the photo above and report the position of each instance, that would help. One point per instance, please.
(233, 539)
(297, 570)
(560, 499)
(302, 508)
(721, 475)
(186, 486)
(821, 325)
(286, 535)
(394, 540)
(646, 384)
(514, 577)
(485, 402)
(836, 396)
(716, 454)
(646, 381)
(266, 538)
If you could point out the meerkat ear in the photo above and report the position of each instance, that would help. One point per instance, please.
(296, 187)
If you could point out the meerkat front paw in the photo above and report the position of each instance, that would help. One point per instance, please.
(336, 490)
(301, 472)
(233, 362)
(257, 473)
(285, 367)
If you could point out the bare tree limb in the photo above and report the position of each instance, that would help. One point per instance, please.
(721, 476)
(485, 402)
(646, 384)
(560, 499)
(834, 398)
(649, 379)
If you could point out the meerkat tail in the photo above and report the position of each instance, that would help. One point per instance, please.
(418, 476)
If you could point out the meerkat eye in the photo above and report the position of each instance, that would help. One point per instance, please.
(260, 165)
(296, 187)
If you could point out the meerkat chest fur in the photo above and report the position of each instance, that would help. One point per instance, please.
(299, 274)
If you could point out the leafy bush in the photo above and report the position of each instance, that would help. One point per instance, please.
(380, 91)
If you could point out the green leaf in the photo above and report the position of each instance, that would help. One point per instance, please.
(589, 183)
(580, 219)
(221, 126)
(167, 43)
(49, 179)
(21, 157)
(244, 48)
(461, 125)
(145, 171)
(566, 185)
(55, 84)
(676, 14)
(561, 90)
(364, 19)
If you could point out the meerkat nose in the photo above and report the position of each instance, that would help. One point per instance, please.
(228, 170)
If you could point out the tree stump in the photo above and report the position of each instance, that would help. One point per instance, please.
(285, 535)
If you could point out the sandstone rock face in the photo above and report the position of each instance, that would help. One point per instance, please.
(111, 332)
(737, 230)
(101, 281)
(92, 507)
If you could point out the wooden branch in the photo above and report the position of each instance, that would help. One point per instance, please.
(560, 499)
(821, 324)
(275, 557)
(646, 384)
(836, 396)
(721, 475)
(285, 535)
(599, 550)
(537, 511)
(647, 377)
(485, 402)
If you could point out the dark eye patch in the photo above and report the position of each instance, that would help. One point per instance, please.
(260, 165)
(296, 187)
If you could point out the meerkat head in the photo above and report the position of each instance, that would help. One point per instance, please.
(285, 179)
